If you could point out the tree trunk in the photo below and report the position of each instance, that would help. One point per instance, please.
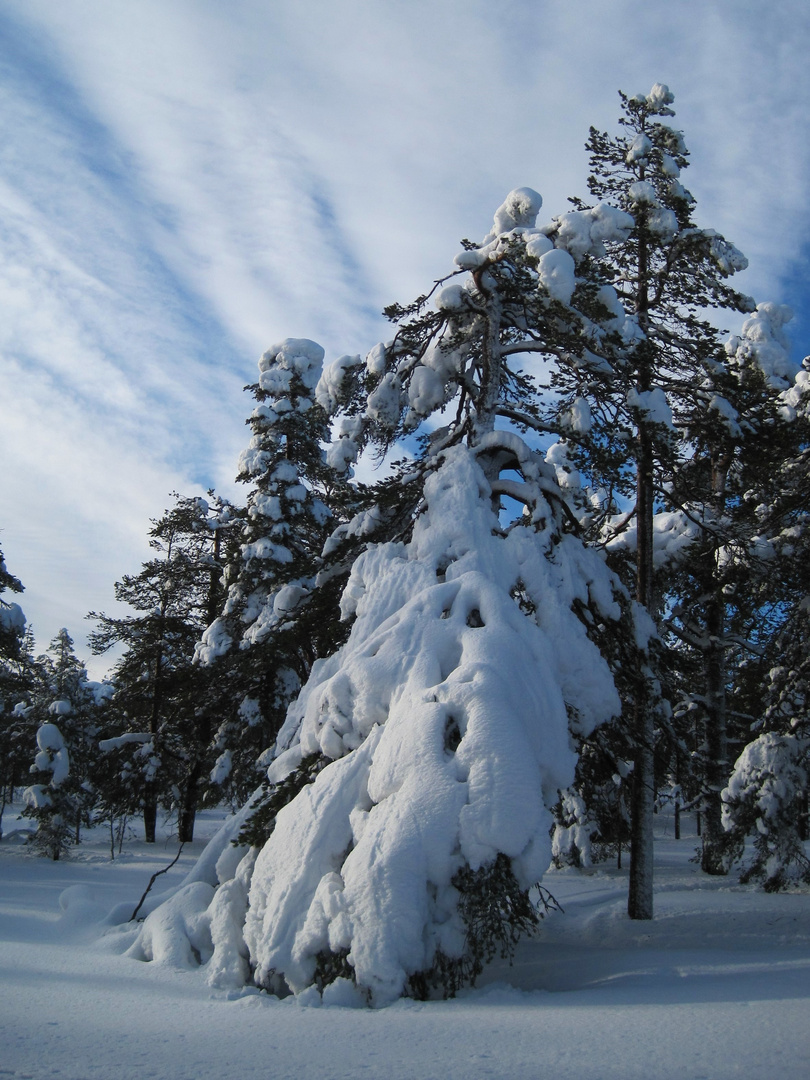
(712, 859)
(149, 818)
(642, 797)
(188, 806)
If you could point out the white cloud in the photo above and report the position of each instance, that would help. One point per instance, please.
(183, 184)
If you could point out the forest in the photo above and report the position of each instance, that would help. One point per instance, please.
(576, 595)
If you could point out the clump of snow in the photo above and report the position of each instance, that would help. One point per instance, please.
(639, 149)
(519, 210)
(763, 342)
(330, 389)
(652, 405)
(556, 273)
(472, 259)
(727, 414)
(585, 232)
(385, 402)
(12, 618)
(577, 418)
(642, 192)
(659, 97)
(298, 356)
(425, 390)
(53, 754)
(727, 258)
(673, 532)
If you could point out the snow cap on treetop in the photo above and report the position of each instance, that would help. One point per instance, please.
(519, 210)
(659, 97)
(657, 100)
(294, 355)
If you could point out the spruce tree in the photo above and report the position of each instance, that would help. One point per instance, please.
(259, 648)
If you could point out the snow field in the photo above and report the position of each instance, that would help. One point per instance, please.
(716, 987)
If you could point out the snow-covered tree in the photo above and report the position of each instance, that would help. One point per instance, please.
(767, 794)
(62, 696)
(14, 685)
(415, 772)
(661, 401)
(160, 729)
(275, 622)
(49, 801)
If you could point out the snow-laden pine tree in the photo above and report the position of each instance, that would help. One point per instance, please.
(409, 815)
(50, 801)
(718, 577)
(766, 799)
(64, 698)
(160, 728)
(275, 622)
(662, 401)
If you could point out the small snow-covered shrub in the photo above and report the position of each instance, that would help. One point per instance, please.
(763, 801)
(48, 802)
(573, 832)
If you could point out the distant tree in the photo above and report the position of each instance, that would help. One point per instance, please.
(50, 801)
(164, 730)
(15, 683)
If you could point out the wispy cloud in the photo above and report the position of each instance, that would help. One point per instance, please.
(183, 183)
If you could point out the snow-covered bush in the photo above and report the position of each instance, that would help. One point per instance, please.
(48, 801)
(573, 831)
(763, 800)
(767, 794)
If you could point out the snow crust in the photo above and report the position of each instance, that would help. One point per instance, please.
(12, 618)
(652, 405)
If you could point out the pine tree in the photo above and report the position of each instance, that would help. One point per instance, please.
(50, 801)
(62, 697)
(414, 774)
(767, 793)
(163, 746)
(662, 394)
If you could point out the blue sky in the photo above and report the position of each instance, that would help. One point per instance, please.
(185, 182)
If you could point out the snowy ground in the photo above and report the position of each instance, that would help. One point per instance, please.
(717, 986)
